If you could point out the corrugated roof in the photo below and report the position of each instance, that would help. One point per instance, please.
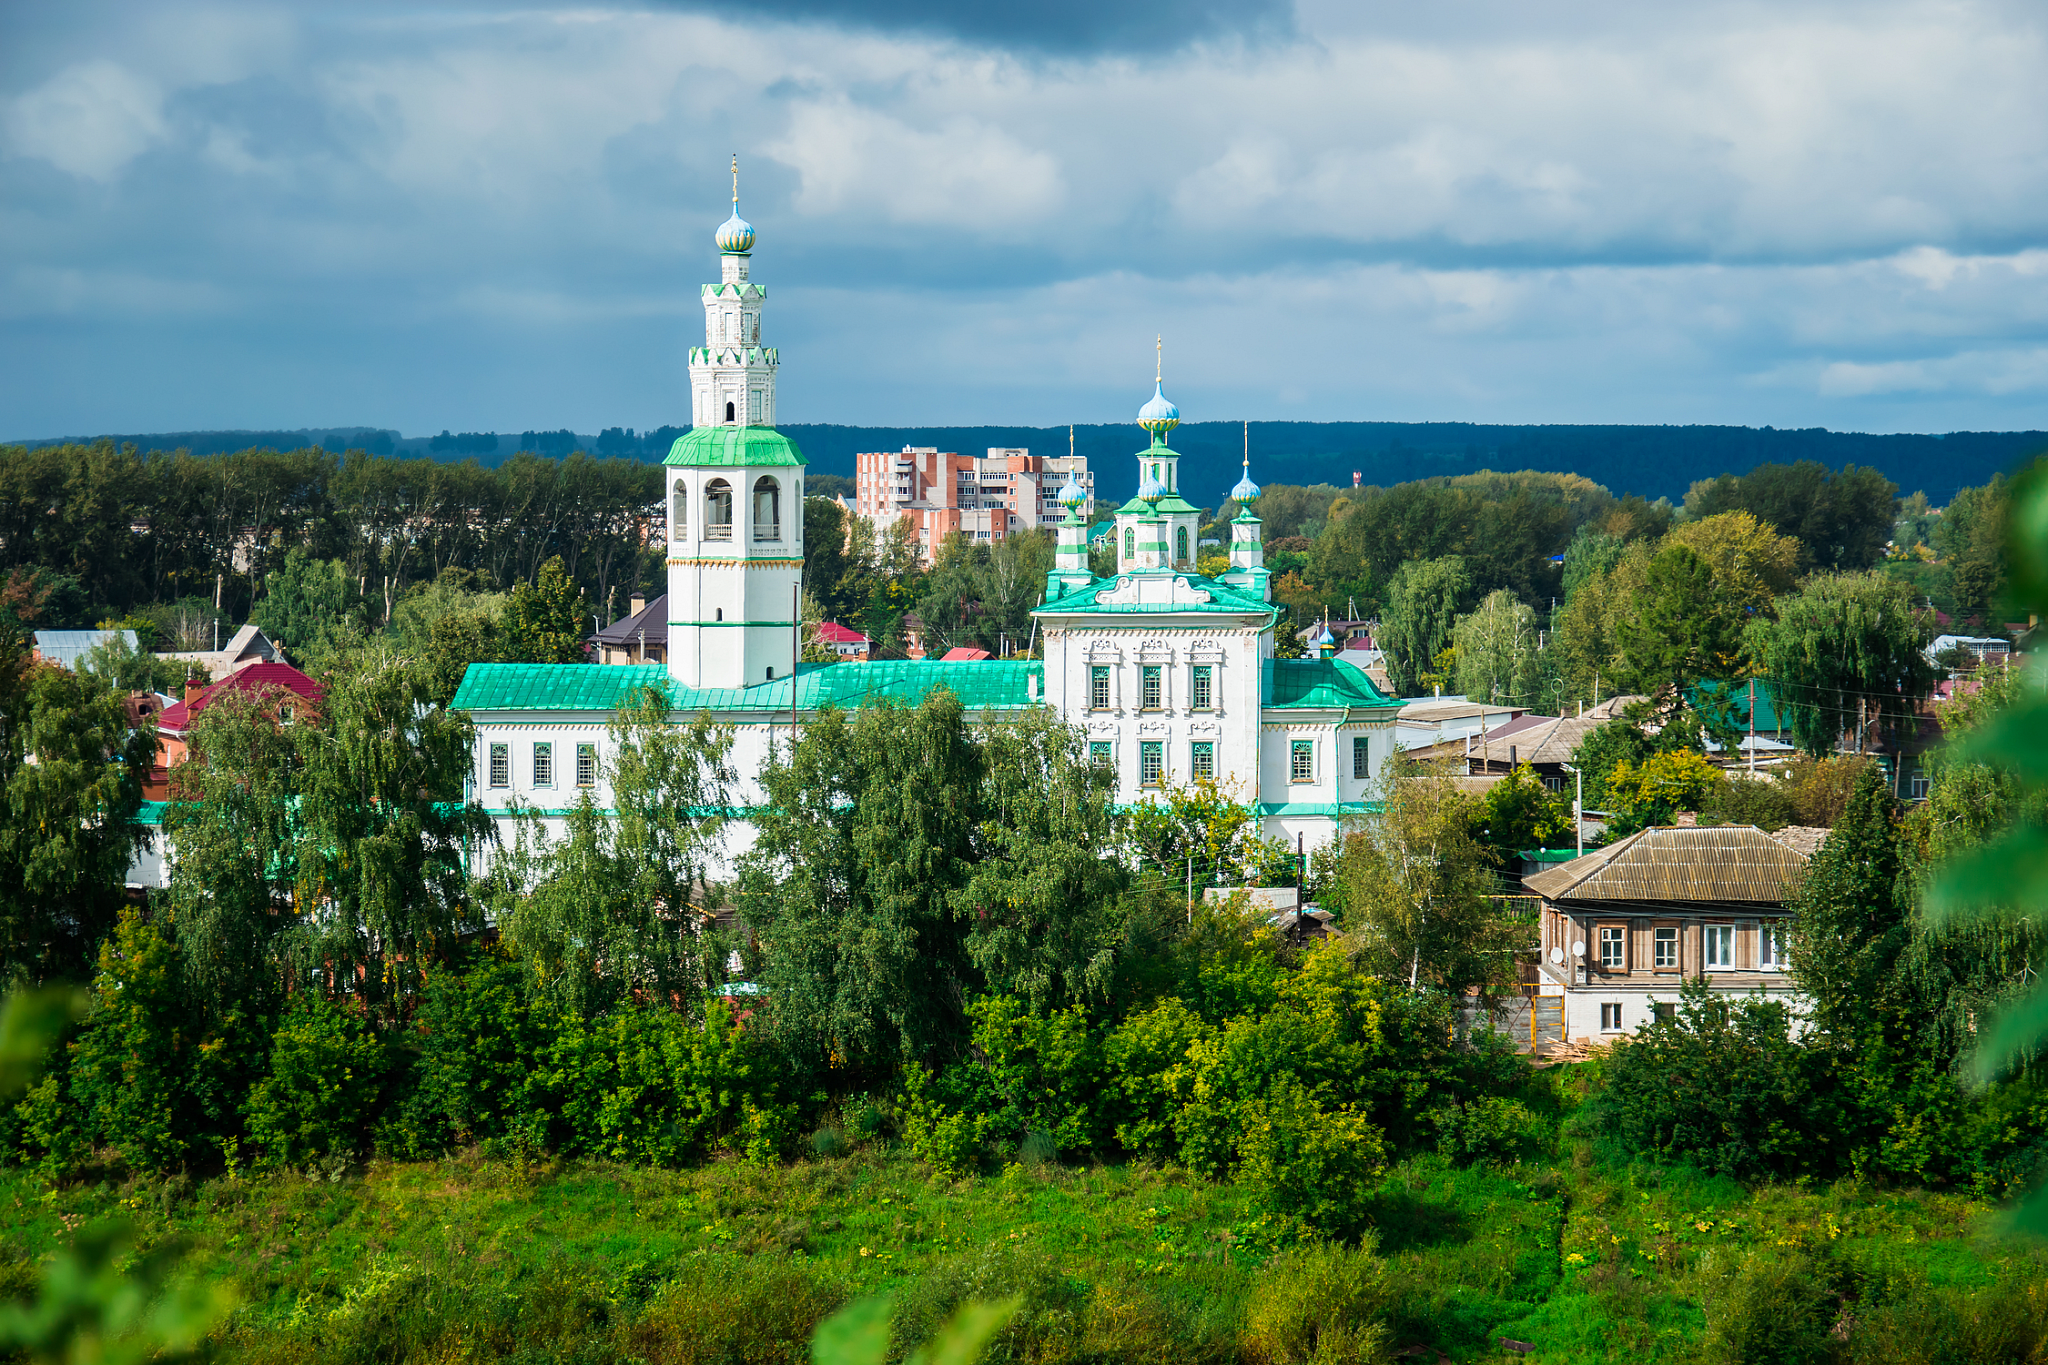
(1723, 864)
(64, 647)
(1322, 683)
(255, 678)
(989, 684)
(1768, 714)
(1213, 596)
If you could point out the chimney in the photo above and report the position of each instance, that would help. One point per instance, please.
(1511, 758)
(639, 601)
(193, 691)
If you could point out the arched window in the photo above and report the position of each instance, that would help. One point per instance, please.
(679, 518)
(1180, 543)
(767, 509)
(1130, 544)
(728, 412)
(718, 510)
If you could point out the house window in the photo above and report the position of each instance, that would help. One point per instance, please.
(1610, 1018)
(1200, 693)
(1152, 689)
(1916, 786)
(767, 509)
(1098, 687)
(1664, 1012)
(1202, 758)
(1101, 753)
(586, 765)
(501, 765)
(1720, 949)
(1771, 945)
(1301, 761)
(1151, 763)
(1664, 948)
(543, 765)
(1553, 782)
(718, 507)
(728, 414)
(1613, 948)
(1361, 756)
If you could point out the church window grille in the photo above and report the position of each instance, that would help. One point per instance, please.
(1202, 758)
(543, 765)
(1361, 756)
(1180, 543)
(1098, 687)
(767, 509)
(1102, 753)
(586, 765)
(1203, 692)
(754, 406)
(1130, 544)
(718, 509)
(1151, 763)
(1301, 761)
(1154, 691)
(501, 765)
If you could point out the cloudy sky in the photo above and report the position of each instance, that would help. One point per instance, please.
(475, 216)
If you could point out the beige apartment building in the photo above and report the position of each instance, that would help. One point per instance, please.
(985, 498)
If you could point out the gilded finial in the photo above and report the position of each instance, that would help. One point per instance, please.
(735, 181)
(1159, 359)
(1247, 447)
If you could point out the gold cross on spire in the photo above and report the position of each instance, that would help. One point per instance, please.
(1159, 359)
(1247, 447)
(735, 181)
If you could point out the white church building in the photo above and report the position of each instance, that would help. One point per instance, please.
(1170, 675)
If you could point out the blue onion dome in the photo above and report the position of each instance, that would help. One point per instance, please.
(736, 234)
(1325, 638)
(1150, 490)
(1158, 416)
(1246, 493)
(1072, 496)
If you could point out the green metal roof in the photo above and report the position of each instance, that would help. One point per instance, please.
(1168, 502)
(1768, 716)
(989, 684)
(1322, 684)
(554, 687)
(733, 446)
(1222, 599)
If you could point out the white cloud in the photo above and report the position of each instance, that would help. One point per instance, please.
(90, 120)
(866, 165)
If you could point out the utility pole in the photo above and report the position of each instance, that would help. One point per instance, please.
(1578, 807)
(1752, 725)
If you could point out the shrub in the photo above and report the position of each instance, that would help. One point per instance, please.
(1305, 1162)
(1490, 1128)
(1048, 1321)
(325, 1086)
(1148, 1075)
(644, 1084)
(1766, 1306)
(952, 1142)
(1722, 1085)
(1760, 801)
(1820, 787)
(759, 1310)
(480, 1069)
(1323, 1304)
(1045, 1071)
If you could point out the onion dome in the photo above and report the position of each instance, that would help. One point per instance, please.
(1072, 496)
(1246, 492)
(1158, 416)
(1325, 639)
(736, 234)
(1150, 490)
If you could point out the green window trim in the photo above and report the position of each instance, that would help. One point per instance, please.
(1203, 693)
(544, 763)
(1152, 684)
(1151, 763)
(1301, 760)
(499, 773)
(1098, 687)
(586, 765)
(1361, 756)
(1202, 758)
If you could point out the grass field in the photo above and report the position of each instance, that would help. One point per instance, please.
(478, 1257)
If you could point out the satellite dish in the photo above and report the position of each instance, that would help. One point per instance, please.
(1579, 948)
(1557, 955)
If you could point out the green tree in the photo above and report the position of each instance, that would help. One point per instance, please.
(1655, 790)
(383, 830)
(1842, 518)
(71, 774)
(306, 606)
(1847, 654)
(1682, 628)
(1497, 645)
(544, 620)
(1848, 927)
(1519, 812)
(1411, 886)
(1420, 617)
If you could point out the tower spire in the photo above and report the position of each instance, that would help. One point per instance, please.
(735, 182)
(1159, 360)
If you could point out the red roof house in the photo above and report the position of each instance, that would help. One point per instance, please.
(281, 689)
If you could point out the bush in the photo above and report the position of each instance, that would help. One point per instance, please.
(759, 1310)
(1322, 1304)
(1760, 801)
(1490, 1128)
(325, 1086)
(645, 1084)
(1305, 1162)
(1148, 1076)
(1723, 1086)
(1767, 1306)
(951, 1141)
(480, 1068)
(1820, 787)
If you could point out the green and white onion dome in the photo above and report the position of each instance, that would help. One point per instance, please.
(736, 235)
(1150, 490)
(1158, 416)
(1072, 496)
(1246, 492)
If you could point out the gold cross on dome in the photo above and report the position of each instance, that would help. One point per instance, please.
(735, 179)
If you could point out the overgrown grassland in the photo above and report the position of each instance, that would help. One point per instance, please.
(486, 1258)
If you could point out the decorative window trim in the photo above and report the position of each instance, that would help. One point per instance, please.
(1297, 749)
(1202, 758)
(1152, 756)
(544, 763)
(586, 765)
(498, 766)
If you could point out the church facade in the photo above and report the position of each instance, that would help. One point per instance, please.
(1169, 674)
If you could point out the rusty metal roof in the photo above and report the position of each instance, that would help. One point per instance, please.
(1724, 863)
